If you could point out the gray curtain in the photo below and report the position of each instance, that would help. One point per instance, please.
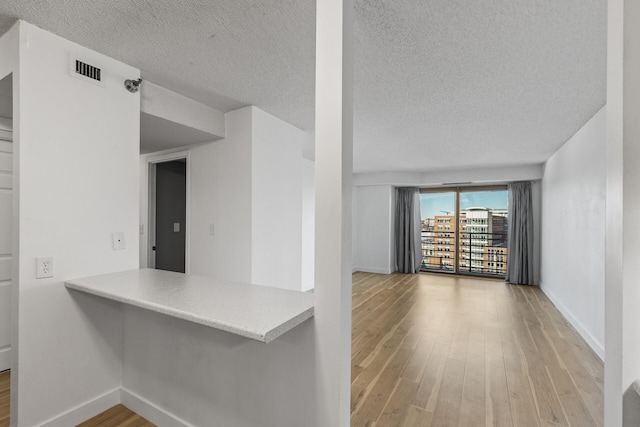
(408, 229)
(520, 235)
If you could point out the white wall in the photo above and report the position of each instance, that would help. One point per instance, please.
(373, 241)
(9, 64)
(277, 177)
(249, 185)
(211, 378)
(308, 224)
(160, 102)
(536, 199)
(491, 175)
(622, 269)
(374, 220)
(6, 241)
(221, 195)
(573, 235)
(77, 172)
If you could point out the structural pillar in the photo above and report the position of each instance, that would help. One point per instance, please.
(622, 245)
(333, 169)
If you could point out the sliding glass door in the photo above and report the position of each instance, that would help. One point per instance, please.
(464, 230)
(437, 211)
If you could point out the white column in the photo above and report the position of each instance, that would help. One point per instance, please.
(334, 151)
(622, 287)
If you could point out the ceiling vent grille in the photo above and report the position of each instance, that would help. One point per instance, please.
(88, 71)
(81, 69)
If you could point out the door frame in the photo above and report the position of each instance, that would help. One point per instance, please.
(152, 161)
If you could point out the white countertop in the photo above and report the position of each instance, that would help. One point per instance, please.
(258, 312)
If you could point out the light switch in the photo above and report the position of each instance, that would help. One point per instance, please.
(117, 240)
(212, 230)
(176, 227)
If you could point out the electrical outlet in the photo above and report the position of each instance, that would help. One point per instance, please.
(44, 267)
(117, 240)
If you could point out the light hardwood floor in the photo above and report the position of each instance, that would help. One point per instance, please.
(433, 350)
(118, 416)
(5, 381)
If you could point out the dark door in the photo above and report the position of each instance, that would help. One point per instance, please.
(171, 214)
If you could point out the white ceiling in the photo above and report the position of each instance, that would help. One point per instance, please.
(438, 83)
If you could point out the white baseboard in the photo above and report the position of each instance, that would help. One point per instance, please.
(85, 411)
(136, 403)
(151, 412)
(373, 270)
(5, 358)
(596, 346)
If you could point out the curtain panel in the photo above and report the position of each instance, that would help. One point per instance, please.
(520, 234)
(407, 231)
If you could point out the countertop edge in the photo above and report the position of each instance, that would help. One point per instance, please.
(267, 337)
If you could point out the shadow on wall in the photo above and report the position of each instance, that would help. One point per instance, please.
(631, 405)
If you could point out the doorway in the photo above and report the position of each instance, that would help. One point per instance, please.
(168, 213)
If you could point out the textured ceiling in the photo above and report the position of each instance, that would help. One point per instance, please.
(438, 83)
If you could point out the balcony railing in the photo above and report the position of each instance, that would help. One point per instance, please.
(479, 253)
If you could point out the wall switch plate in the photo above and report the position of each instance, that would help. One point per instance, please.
(118, 241)
(176, 227)
(212, 230)
(141, 228)
(44, 267)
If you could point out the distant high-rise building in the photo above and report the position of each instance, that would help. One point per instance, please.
(482, 241)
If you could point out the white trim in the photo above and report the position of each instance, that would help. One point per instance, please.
(5, 358)
(161, 158)
(584, 333)
(373, 270)
(85, 411)
(151, 412)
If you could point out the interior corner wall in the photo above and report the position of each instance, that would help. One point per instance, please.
(536, 196)
(207, 377)
(355, 256)
(276, 189)
(249, 186)
(9, 64)
(78, 174)
(373, 218)
(308, 224)
(573, 234)
(221, 182)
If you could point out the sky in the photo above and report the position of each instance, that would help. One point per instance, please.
(432, 204)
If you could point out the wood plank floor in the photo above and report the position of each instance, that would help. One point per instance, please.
(118, 416)
(5, 409)
(435, 350)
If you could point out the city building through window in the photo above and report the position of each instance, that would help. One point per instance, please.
(470, 222)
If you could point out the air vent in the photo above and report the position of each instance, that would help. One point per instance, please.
(89, 71)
